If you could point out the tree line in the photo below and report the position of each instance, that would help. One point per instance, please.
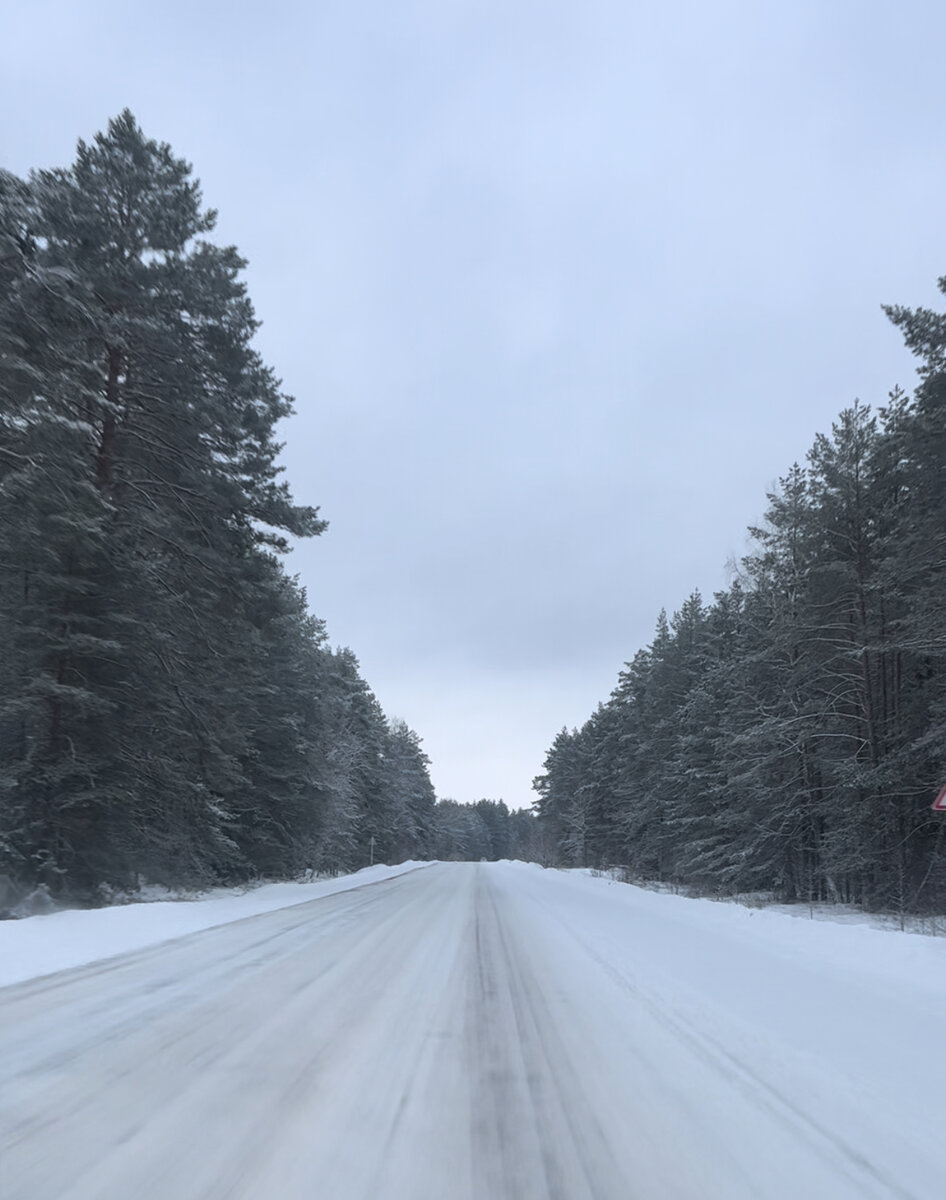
(169, 708)
(485, 829)
(789, 736)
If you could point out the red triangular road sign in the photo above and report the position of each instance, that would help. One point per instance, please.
(939, 804)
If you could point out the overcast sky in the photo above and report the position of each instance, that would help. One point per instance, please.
(560, 289)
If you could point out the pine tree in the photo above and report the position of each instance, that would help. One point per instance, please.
(140, 496)
(410, 793)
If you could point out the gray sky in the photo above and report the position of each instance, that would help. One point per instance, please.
(560, 289)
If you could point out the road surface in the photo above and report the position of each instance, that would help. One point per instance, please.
(468, 1031)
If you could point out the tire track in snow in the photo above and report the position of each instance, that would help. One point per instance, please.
(869, 1179)
(536, 1134)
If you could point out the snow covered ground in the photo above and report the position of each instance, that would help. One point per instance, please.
(482, 1031)
(74, 937)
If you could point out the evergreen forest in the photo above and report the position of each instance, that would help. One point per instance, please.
(788, 737)
(170, 711)
(485, 829)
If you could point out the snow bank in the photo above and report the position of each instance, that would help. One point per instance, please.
(44, 944)
(844, 941)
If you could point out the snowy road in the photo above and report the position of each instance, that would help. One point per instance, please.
(473, 1031)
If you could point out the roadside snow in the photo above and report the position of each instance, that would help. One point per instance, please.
(841, 941)
(54, 942)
